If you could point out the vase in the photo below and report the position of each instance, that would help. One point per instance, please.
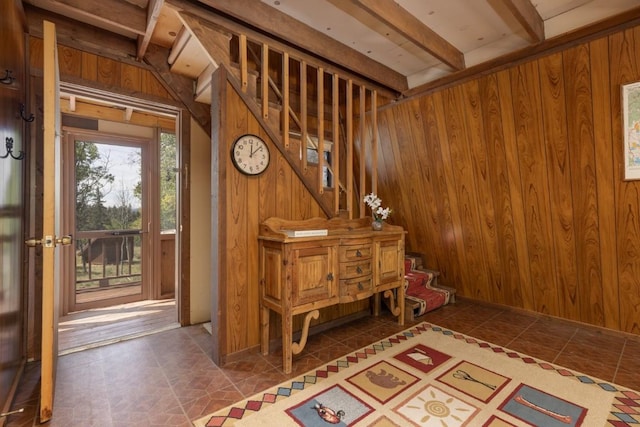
(376, 225)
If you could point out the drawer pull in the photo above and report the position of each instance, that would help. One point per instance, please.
(330, 277)
(359, 269)
(360, 287)
(358, 253)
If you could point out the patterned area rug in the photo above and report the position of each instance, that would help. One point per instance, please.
(430, 376)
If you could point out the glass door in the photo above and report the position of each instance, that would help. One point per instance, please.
(110, 222)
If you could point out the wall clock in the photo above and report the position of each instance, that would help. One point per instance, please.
(250, 154)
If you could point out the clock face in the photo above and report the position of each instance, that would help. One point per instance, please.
(250, 155)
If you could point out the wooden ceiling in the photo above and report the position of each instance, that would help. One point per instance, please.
(402, 45)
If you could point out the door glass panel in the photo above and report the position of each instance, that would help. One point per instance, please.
(109, 214)
(168, 193)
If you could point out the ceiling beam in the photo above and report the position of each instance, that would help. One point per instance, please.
(617, 23)
(153, 13)
(396, 17)
(82, 36)
(128, 17)
(226, 24)
(281, 25)
(527, 15)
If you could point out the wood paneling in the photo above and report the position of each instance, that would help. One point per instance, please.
(554, 110)
(12, 202)
(588, 298)
(99, 71)
(511, 184)
(247, 202)
(624, 49)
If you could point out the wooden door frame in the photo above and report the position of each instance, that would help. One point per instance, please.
(50, 224)
(150, 218)
(183, 225)
(182, 129)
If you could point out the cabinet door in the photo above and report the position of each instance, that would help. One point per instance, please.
(389, 265)
(313, 274)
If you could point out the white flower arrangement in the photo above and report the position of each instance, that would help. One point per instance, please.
(379, 213)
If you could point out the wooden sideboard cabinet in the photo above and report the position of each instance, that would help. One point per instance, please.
(303, 274)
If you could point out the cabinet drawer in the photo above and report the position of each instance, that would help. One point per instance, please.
(355, 252)
(349, 270)
(356, 289)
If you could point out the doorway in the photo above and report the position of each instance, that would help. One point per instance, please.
(110, 218)
(121, 196)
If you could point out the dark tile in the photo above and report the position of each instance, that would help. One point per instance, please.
(493, 336)
(630, 358)
(516, 319)
(263, 381)
(189, 385)
(252, 365)
(544, 338)
(211, 401)
(558, 328)
(356, 342)
(332, 352)
(534, 349)
(627, 378)
(319, 341)
(588, 364)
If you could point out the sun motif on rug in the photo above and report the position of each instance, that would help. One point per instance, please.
(434, 407)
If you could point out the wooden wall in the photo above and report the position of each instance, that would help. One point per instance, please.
(511, 184)
(12, 201)
(101, 72)
(243, 203)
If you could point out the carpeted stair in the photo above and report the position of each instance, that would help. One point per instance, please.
(422, 292)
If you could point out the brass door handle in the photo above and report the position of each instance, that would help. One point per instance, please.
(32, 243)
(64, 240)
(49, 241)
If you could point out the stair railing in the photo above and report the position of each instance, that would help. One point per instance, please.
(341, 129)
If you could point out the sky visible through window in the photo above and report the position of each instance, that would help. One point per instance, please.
(124, 164)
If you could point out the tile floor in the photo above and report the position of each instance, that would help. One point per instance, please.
(168, 379)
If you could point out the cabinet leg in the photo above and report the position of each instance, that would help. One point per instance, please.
(401, 303)
(297, 347)
(376, 304)
(287, 338)
(264, 330)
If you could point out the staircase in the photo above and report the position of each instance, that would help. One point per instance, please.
(316, 115)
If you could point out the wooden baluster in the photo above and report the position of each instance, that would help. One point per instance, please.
(243, 63)
(320, 147)
(285, 99)
(303, 114)
(264, 81)
(363, 150)
(335, 159)
(349, 141)
(374, 142)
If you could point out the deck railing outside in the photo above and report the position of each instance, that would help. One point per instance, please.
(112, 260)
